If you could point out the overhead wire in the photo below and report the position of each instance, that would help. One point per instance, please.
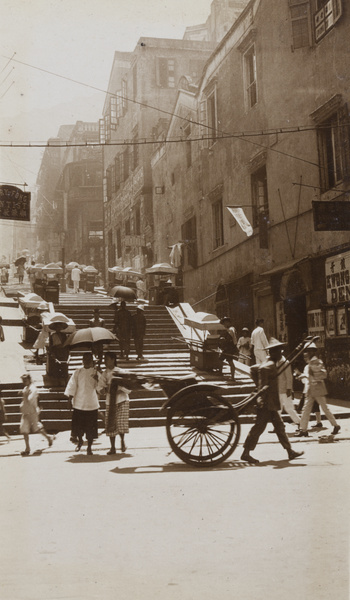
(218, 134)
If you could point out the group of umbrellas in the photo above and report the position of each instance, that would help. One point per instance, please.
(127, 293)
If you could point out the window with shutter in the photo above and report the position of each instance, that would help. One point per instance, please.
(212, 117)
(102, 131)
(260, 203)
(300, 20)
(165, 72)
(326, 15)
(203, 121)
(250, 76)
(333, 136)
(119, 105)
(113, 112)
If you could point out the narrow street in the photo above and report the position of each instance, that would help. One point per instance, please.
(145, 526)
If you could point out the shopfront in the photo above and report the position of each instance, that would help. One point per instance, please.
(336, 324)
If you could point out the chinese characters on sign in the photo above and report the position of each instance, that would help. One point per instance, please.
(316, 325)
(14, 203)
(338, 278)
(282, 333)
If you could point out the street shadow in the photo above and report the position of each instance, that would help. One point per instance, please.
(179, 468)
(280, 464)
(82, 457)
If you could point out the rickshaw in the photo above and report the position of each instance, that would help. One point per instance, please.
(203, 428)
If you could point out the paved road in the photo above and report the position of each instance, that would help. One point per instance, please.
(144, 526)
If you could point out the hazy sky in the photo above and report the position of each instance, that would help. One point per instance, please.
(75, 39)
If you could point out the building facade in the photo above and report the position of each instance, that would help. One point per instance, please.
(73, 204)
(266, 132)
(141, 92)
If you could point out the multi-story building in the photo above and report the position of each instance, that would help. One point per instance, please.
(222, 14)
(74, 188)
(48, 221)
(267, 132)
(140, 95)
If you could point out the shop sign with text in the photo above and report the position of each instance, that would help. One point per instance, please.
(338, 278)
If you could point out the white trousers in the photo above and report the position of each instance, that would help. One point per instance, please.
(75, 286)
(305, 415)
(288, 406)
(260, 355)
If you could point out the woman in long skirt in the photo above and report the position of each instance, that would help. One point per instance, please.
(117, 402)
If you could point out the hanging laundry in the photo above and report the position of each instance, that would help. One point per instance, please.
(176, 254)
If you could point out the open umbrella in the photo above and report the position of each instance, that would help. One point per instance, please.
(71, 265)
(160, 268)
(115, 269)
(52, 269)
(20, 260)
(121, 291)
(90, 269)
(132, 272)
(90, 335)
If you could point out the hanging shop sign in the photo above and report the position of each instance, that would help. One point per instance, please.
(331, 215)
(316, 325)
(281, 325)
(338, 278)
(14, 203)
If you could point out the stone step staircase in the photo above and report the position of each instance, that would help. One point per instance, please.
(145, 405)
(165, 354)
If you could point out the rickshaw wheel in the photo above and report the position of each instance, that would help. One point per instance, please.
(203, 428)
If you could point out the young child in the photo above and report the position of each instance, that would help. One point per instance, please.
(30, 414)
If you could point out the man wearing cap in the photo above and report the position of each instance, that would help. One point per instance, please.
(268, 407)
(138, 325)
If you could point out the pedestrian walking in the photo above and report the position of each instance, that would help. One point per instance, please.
(3, 418)
(30, 412)
(244, 347)
(285, 388)
(2, 335)
(314, 375)
(138, 326)
(228, 345)
(117, 403)
(75, 277)
(315, 406)
(123, 324)
(141, 289)
(269, 406)
(82, 398)
(20, 272)
(97, 347)
(259, 342)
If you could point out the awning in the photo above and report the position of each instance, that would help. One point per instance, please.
(284, 267)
